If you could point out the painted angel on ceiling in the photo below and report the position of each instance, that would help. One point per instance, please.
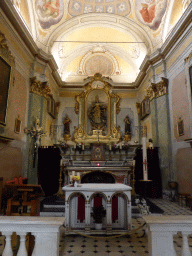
(49, 12)
(150, 12)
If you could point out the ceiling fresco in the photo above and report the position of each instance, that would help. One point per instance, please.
(77, 7)
(127, 30)
(49, 12)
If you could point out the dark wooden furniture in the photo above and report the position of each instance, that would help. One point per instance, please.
(23, 199)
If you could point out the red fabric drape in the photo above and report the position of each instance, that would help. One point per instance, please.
(97, 201)
(81, 209)
(114, 208)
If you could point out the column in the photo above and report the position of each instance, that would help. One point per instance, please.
(129, 219)
(67, 215)
(8, 249)
(109, 216)
(87, 217)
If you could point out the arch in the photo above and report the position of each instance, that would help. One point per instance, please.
(98, 193)
(76, 193)
(105, 20)
(93, 176)
(120, 193)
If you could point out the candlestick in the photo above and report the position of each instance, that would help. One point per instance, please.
(73, 173)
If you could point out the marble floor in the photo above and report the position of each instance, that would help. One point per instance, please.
(136, 244)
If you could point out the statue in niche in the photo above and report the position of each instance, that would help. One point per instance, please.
(127, 125)
(67, 122)
(127, 136)
(97, 115)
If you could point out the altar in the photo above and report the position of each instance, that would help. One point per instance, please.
(116, 199)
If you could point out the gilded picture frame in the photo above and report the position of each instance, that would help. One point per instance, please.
(145, 108)
(51, 107)
(5, 76)
(7, 66)
(17, 128)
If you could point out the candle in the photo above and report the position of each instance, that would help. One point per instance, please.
(78, 174)
(83, 147)
(75, 146)
(133, 162)
(120, 146)
(109, 146)
(61, 162)
(70, 177)
(73, 173)
(145, 168)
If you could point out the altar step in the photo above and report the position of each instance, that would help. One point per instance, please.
(52, 207)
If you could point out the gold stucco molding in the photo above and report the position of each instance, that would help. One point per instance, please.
(188, 57)
(157, 89)
(4, 48)
(40, 88)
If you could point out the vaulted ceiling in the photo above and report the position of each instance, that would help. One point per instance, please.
(111, 37)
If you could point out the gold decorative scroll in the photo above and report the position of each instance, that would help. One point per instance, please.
(158, 89)
(138, 106)
(40, 88)
(4, 48)
(188, 57)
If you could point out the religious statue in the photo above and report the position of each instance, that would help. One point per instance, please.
(127, 136)
(97, 115)
(66, 123)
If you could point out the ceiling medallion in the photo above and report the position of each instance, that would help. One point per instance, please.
(98, 60)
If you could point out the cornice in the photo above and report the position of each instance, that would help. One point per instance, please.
(176, 33)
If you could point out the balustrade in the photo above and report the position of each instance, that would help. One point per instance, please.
(46, 231)
(160, 231)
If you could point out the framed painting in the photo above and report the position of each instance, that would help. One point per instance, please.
(5, 75)
(145, 108)
(51, 107)
(17, 125)
(190, 76)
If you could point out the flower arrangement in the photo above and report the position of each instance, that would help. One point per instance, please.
(75, 178)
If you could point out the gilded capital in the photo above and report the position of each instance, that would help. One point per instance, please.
(40, 88)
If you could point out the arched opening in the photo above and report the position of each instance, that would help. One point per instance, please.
(119, 211)
(98, 177)
(98, 199)
(77, 208)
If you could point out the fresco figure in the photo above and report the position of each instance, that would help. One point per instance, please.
(150, 12)
(49, 12)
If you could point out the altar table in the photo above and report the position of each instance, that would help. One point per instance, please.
(89, 191)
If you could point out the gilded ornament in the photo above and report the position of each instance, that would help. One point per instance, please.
(40, 88)
(4, 46)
